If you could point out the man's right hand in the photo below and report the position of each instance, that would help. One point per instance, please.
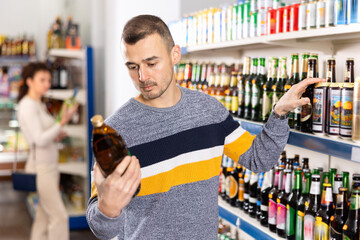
(116, 191)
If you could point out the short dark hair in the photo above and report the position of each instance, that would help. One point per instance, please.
(29, 71)
(141, 26)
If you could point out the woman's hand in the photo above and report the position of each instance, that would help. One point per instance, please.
(67, 113)
(61, 136)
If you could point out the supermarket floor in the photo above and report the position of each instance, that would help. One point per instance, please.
(16, 222)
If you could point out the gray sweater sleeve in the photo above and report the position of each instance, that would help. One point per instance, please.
(103, 227)
(267, 146)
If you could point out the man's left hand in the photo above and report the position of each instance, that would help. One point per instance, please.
(292, 98)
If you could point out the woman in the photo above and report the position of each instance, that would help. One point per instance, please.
(41, 132)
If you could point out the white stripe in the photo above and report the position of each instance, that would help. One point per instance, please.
(186, 158)
(234, 135)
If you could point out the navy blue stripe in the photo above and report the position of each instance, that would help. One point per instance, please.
(183, 142)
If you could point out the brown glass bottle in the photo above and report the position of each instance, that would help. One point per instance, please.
(264, 197)
(346, 108)
(351, 226)
(304, 70)
(313, 207)
(333, 103)
(322, 220)
(283, 192)
(272, 200)
(241, 86)
(340, 216)
(306, 110)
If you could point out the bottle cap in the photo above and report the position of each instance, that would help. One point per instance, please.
(97, 121)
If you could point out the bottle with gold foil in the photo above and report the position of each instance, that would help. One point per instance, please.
(334, 103)
(108, 146)
(322, 219)
(346, 108)
(351, 226)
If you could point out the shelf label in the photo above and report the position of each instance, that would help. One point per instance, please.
(355, 154)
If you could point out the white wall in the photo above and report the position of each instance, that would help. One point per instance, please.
(34, 18)
(118, 85)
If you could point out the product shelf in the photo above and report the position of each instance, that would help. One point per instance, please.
(243, 221)
(314, 39)
(74, 168)
(9, 157)
(16, 60)
(62, 94)
(333, 146)
(67, 53)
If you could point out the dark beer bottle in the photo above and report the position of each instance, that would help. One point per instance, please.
(306, 110)
(281, 204)
(340, 216)
(302, 206)
(282, 160)
(223, 177)
(304, 72)
(347, 92)
(272, 199)
(291, 207)
(305, 164)
(241, 86)
(248, 88)
(334, 102)
(288, 84)
(278, 87)
(246, 190)
(351, 226)
(267, 93)
(264, 196)
(323, 215)
(234, 186)
(258, 195)
(257, 92)
(253, 194)
(338, 183)
(108, 146)
(314, 205)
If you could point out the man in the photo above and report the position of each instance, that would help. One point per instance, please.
(179, 136)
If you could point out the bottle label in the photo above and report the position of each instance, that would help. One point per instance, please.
(241, 189)
(233, 187)
(315, 188)
(266, 108)
(246, 196)
(234, 103)
(272, 212)
(335, 104)
(309, 224)
(346, 111)
(281, 216)
(337, 185)
(299, 225)
(228, 103)
(255, 96)
(258, 203)
(306, 112)
(319, 109)
(241, 96)
(247, 95)
(290, 217)
(321, 229)
(252, 200)
(264, 208)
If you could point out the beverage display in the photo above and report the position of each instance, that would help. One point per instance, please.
(334, 103)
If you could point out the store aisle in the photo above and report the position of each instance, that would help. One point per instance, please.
(16, 221)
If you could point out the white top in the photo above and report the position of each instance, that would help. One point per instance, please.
(39, 128)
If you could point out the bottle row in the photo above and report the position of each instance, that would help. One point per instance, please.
(293, 202)
(60, 36)
(252, 18)
(252, 95)
(54, 106)
(19, 46)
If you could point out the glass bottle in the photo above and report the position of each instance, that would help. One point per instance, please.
(258, 195)
(246, 190)
(338, 183)
(231, 98)
(253, 194)
(281, 202)
(351, 226)
(248, 89)
(322, 222)
(302, 206)
(333, 104)
(278, 87)
(297, 111)
(341, 214)
(314, 205)
(272, 200)
(257, 92)
(241, 86)
(267, 93)
(264, 197)
(234, 186)
(292, 206)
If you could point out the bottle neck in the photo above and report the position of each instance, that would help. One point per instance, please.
(341, 203)
(327, 197)
(354, 206)
(331, 74)
(288, 182)
(349, 73)
(298, 179)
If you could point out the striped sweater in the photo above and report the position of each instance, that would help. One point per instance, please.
(180, 150)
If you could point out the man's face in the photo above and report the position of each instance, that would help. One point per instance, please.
(150, 65)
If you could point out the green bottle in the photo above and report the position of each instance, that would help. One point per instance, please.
(267, 94)
(248, 89)
(256, 91)
(302, 206)
(278, 87)
(351, 226)
(291, 207)
(346, 182)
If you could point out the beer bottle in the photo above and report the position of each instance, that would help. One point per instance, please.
(289, 83)
(332, 172)
(340, 216)
(272, 199)
(202, 77)
(227, 182)
(296, 162)
(246, 190)
(192, 82)
(333, 104)
(241, 86)
(197, 80)
(206, 81)
(278, 88)
(347, 92)
(258, 195)
(346, 181)
(248, 89)
(291, 207)
(211, 81)
(351, 226)
(257, 92)
(265, 189)
(315, 55)
(320, 101)
(231, 95)
(234, 186)
(224, 85)
(281, 202)
(338, 183)
(322, 222)
(302, 206)
(187, 75)
(297, 111)
(253, 194)
(305, 163)
(282, 162)
(306, 110)
(267, 93)
(314, 205)
(241, 189)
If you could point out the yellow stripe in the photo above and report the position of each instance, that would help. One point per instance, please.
(183, 174)
(93, 190)
(235, 149)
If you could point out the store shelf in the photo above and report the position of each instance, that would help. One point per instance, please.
(63, 94)
(9, 157)
(67, 53)
(74, 168)
(16, 60)
(336, 147)
(238, 218)
(314, 39)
